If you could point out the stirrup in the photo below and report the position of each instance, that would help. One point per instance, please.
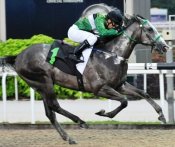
(75, 58)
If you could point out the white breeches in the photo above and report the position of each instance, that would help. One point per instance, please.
(77, 35)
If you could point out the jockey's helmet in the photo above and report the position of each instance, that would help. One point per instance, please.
(115, 16)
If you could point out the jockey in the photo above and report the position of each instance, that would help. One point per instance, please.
(87, 29)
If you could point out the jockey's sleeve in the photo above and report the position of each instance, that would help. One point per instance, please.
(83, 24)
(100, 26)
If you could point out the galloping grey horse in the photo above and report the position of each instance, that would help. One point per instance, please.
(105, 73)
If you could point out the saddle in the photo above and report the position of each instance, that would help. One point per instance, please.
(60, 52)
(58, 56)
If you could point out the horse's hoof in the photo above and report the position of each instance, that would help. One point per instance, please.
(101, 112)
(162, 119)
(84, 125)
(65, 137)
(71, 141)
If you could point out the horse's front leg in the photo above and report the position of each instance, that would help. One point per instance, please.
(128, 89)
(110, 93)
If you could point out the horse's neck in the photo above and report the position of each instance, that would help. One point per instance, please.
(121, 46)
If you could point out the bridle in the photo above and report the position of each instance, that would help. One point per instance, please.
(142, 29)
(152, 40)
(137, 40)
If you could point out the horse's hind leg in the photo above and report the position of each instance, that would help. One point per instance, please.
(51, 105)
(44, 85)
(54, 105)
(52, 117)
(111, 93)
(128, 89)
(50, 112)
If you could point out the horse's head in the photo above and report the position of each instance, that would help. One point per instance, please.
(148, 35)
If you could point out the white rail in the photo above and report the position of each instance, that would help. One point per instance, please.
(133, 68)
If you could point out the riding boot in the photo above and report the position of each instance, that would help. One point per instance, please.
(78, 51)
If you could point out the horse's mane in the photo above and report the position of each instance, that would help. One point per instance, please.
(103, 8)
(130, 19)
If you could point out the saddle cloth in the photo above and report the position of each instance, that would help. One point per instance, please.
(58, 56)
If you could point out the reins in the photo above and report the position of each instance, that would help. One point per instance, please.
(141, 26)
(135, 40)
(111, 54)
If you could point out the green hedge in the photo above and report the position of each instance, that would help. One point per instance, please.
(14, 47)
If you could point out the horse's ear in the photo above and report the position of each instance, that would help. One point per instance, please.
(128, 16)
(140, 16)
(127, 19)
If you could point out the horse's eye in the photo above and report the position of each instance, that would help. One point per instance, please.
(150, 29)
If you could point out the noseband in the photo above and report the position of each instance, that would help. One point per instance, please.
(141, 27)
(153, 40)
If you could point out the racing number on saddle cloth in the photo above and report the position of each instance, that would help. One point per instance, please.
(54, 54)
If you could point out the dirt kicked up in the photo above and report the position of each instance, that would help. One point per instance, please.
(88, 138)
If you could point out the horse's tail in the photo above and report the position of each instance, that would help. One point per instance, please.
(8, 60)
